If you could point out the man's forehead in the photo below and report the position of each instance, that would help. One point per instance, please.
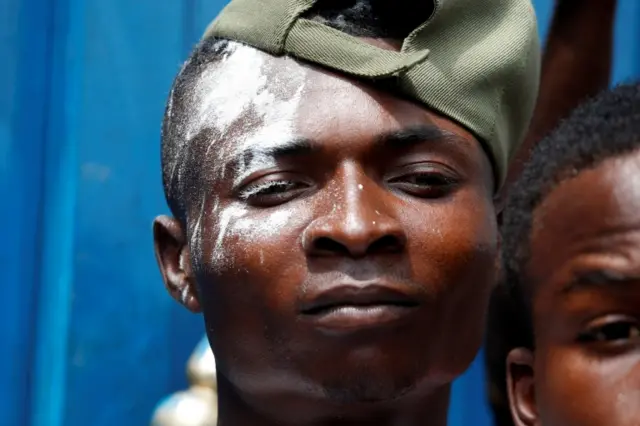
(245, 81)
(249, 94)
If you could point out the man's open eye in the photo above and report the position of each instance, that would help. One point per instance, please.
(427, 184)
(621, 331)
(271, 193)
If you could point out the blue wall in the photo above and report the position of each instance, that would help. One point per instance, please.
(88, 335)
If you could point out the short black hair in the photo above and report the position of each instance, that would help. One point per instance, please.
(604, 127)
(359, 18)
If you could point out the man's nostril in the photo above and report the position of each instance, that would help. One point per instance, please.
(327, 245)
(385, 244)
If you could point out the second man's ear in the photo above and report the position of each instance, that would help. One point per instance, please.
(521, 387)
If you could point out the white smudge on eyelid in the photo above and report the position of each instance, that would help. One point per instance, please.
(268, 100)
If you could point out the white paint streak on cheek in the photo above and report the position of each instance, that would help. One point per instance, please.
(276, 224)
(229, 218)
(263, 227)
(279, 220)
(196, 241)
(234, 223)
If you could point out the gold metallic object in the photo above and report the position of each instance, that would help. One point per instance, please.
(198, 405)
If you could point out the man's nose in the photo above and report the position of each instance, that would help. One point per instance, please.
(357, 225)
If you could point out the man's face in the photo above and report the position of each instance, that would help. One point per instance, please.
(343, 241)
(585, 269)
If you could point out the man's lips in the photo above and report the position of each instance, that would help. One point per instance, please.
(356, 296)
(349, 308)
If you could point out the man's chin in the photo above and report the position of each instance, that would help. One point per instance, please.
(352, 370)
(362, 386)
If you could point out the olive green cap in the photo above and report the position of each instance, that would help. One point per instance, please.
(475, 61)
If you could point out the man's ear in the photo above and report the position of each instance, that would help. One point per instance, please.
(172, 254)
(521, 387)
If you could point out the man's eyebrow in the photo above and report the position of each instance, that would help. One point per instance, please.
(289, 148)
(396, 139)
(599, 278)
(421, 133)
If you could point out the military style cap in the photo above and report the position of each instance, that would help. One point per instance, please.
(475, 61)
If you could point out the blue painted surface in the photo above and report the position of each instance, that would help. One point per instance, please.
(88, 334)
(24, 82)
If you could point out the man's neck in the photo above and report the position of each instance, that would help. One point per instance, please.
(239, 410)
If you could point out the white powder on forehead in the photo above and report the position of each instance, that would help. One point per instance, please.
(225, 94)
(225, 90)
(221, 93)
(244, 86)
(278, 130)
